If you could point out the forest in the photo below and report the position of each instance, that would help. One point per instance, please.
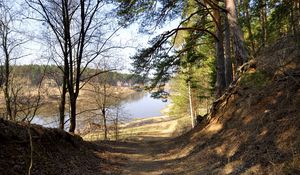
(228, 72)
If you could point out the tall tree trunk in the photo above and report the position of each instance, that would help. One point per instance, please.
(295, 15)
(65, 48)
(104, 122)
(191, 104)
(72, 94)
(62, 105)
(7, 84)
(297, 21)
(104, 108)
(69, 64)
(8, 103)
(220, 63)
(248, 24)
(73, 114)
(263, 20)
(7, 93)
(240, 50)
(228, 63)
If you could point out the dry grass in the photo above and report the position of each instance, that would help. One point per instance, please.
(144, 129)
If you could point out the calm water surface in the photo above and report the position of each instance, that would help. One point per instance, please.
(142, 105)
(137, 105)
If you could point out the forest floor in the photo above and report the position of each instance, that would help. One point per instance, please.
(254, 128)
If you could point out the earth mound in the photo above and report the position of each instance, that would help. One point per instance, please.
(254, 128)
(53, 151)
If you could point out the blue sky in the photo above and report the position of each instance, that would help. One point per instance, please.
(130, 38)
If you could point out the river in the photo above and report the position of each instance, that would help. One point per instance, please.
(137, 105)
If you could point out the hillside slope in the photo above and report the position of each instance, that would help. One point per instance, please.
(254, 128)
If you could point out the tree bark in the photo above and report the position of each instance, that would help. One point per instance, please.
(248, 24)
(66, 52)
(104, 107)
(295, 15)
(228, 62)
(7, 89)
(62, 105)
(241, 55)
(220, 63)
(70, 64)
(263, 20)
(191, 104)
(73, 114)
(104, 122)
(7, 95)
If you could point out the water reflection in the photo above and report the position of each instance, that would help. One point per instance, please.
(137, 105)
(134, 97)
(49, 121)
(142, 105)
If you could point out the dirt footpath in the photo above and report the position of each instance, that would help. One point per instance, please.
(143, 157)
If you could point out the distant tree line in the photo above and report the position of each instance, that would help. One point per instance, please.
(35, 73)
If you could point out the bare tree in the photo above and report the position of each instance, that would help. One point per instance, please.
(117, 113)
(105, 95)
(101, 89)
(10, 44)
(78, 29)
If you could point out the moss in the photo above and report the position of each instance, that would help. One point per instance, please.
(256, 80)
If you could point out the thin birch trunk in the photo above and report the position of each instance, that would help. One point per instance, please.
(191, 105)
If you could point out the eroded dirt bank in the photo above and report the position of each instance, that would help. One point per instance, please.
(254, 128)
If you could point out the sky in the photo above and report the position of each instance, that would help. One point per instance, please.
(129, 37)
